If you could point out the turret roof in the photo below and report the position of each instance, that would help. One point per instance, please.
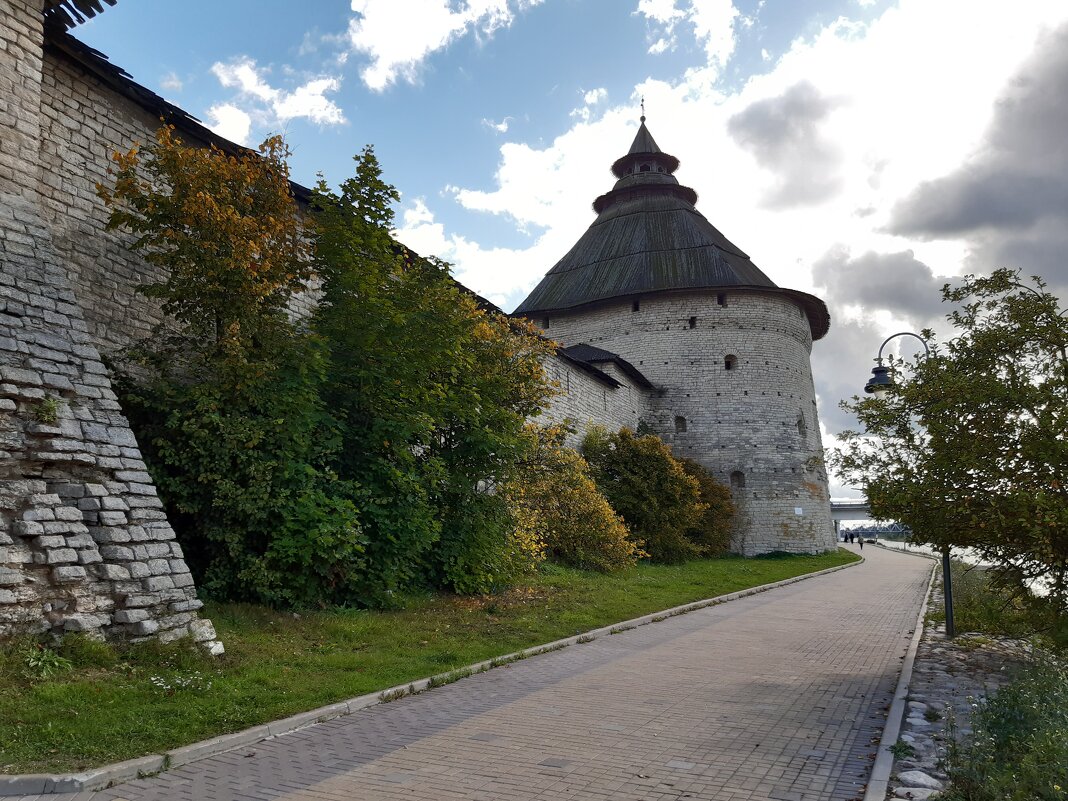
(649, 237)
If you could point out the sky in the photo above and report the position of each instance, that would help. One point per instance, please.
(866, 151)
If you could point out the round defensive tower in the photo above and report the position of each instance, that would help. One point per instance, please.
(726, 349)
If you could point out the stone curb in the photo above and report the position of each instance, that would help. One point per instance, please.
(108, 775)
(881, 770)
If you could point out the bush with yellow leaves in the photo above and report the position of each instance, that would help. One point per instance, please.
(556, 505)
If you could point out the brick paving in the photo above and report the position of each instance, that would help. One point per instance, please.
(780, 696)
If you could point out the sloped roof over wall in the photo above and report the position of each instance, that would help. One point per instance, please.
(65, 14)
(589, 354)
(649, 237)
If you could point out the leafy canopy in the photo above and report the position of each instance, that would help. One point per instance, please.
(969, 449)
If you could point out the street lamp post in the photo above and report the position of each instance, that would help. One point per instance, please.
(881, 380)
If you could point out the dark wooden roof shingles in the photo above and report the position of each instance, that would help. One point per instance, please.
(648, 237)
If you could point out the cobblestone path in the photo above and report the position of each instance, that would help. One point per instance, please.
(779, 696)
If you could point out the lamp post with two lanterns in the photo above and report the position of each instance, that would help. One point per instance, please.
(881, 380)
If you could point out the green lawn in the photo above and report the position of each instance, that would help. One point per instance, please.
(146, 699)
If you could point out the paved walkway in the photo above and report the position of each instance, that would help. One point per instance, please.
(780, 695)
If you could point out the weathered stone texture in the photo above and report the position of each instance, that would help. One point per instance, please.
(72, 481)
(755, 422)
(583, 400)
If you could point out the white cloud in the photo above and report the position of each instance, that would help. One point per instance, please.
(399, 35)
(171, 82)
(265, 105)
(230, 122)
(499, 127)
(712, 22)
(309, 101)
(595, 96)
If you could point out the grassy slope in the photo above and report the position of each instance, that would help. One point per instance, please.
(119, 706)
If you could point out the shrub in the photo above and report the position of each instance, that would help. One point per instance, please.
(713, 529)
(1018, 750)
(557, 506)
(650, 490)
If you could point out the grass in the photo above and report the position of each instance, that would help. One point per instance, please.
(980, 605)
(106, 704)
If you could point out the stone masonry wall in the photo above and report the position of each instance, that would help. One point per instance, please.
(84, 543)
(582, 400)
(754, 426)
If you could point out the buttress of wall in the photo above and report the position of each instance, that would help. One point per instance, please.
(753, 425)
(84, 543)
(583, 400)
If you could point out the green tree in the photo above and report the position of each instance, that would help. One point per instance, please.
(225, 395)
(431, 392)
(648, 487)
(970, 450)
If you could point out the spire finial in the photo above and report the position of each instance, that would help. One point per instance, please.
(643, 108)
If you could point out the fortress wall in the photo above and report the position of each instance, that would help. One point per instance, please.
(84, 543)
(583, 400)
(756, 422)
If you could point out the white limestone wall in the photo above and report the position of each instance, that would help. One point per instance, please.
(754, 426)
(583, 400)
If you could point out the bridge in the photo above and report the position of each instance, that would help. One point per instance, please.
(858, 509)
(852, 509)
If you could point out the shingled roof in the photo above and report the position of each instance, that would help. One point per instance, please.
(590, 354)
(649, 237)
(65, 14)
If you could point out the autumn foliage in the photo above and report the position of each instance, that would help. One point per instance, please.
(559, 511)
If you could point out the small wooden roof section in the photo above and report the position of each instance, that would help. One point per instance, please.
(590, 354)
(649, 238)
(65, 14)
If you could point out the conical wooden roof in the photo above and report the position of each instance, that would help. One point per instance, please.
(649, 237)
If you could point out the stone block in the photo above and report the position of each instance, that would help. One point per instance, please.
(8, 597)
(68, 513)
(202, 630)
(50, 541)
(159, 567)
(89, 556)
(182, 580)
(81, 540)
(68, 573)
(58, 556)
(107, 535)
(116, 553)
(130, 615)
(153, 583)
(39, 514)
(84, 622)
(113, 504)
(27, 528)
(137, 476)
(113, 519)
(145, 627)
(139, 570)
(65, 528)
(133, 601)
(111, 572)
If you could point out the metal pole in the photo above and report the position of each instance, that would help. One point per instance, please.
(947, 591)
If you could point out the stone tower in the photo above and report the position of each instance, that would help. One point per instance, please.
(726, 349)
